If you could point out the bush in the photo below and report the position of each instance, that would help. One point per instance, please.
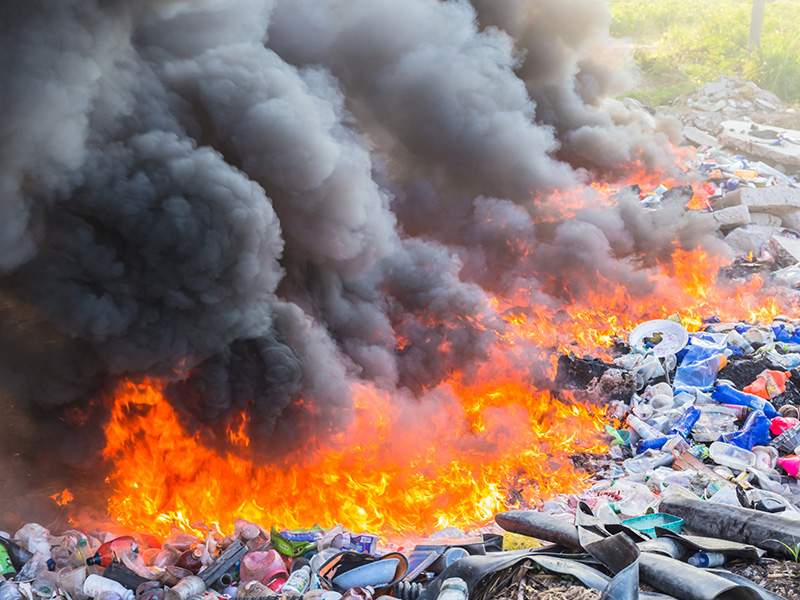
(691, 42)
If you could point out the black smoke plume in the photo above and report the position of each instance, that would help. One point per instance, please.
(264, 201)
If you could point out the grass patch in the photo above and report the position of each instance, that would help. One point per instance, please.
(693, 42)
(660, 95)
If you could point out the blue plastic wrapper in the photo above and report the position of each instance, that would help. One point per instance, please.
(700, 364)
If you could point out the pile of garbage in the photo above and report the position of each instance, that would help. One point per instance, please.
(702, 470)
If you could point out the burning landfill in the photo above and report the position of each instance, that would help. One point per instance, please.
(364, 298)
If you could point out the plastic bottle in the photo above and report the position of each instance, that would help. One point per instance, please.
(6, 566)
(769, 384)
(707, 559)
(684, 425)
(725, 394)
(754, 432)
(731, 456)
(298, 582)
(112, 551)
(95, 585)
(453, 588)
(648, 460)
(737, 341)
(9, 591)
(82, 553)
(666, 443)
(645, 431)
(19, 556)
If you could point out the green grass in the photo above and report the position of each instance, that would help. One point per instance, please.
(689, 42)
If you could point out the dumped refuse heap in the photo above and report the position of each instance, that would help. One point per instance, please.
(698, 492)
(697, 498)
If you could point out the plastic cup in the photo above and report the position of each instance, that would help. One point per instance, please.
(643, 411)
(661, 403)
(660, 389)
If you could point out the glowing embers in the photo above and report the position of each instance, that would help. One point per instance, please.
(403, 465)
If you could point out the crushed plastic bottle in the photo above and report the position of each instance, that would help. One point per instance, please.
(9, 590)
(648, 460)
(645, 431)
(685, 424)
(769, 384)
(725, 394)
(112, 551)
(754, 432)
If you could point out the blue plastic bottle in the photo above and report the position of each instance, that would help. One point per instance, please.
(754, 432)
(651, 444)
(684, 425)
(707, 559)
(725, 394)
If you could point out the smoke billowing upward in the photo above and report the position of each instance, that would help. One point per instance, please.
(266, 201)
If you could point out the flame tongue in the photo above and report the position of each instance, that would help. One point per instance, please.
(396, 470)
(471, 447)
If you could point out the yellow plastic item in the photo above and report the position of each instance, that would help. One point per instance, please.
(515, 541)
(746, 174)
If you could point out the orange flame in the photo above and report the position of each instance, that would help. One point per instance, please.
(63, 498)
(397, 468)
(474, 445)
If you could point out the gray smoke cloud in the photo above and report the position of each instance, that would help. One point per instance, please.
(266, 202)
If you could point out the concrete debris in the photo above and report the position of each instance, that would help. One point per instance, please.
(778, 200)
(751, 238)
(767, 143)
(786, 250)
(733, 216)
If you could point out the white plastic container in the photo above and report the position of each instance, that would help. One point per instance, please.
(731, 456)
(298, 582)
(96, 585)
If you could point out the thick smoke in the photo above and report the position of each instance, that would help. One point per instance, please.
(266, 202)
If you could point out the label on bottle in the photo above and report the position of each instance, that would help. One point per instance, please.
(297, 582)
(6, 566)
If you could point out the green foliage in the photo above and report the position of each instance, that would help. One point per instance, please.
(691, 42)
(662, 94)
(793, 550)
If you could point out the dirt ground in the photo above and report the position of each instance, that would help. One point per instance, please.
(530, 583)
